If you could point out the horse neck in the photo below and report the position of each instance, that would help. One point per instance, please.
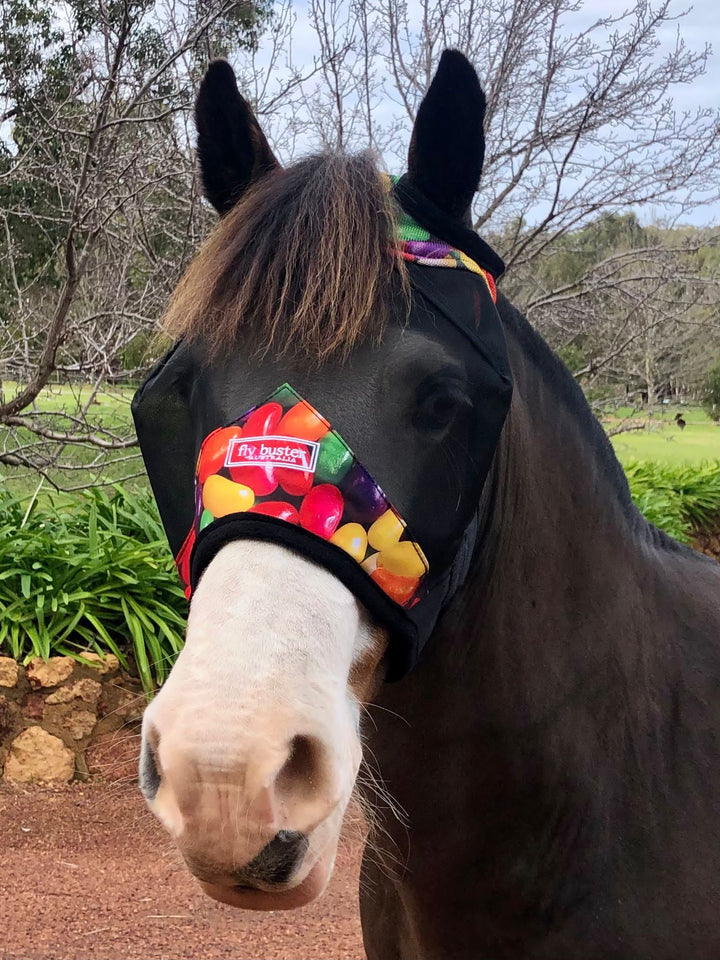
(580, 625)
(554, 724)
(567, 566)
(560, 655)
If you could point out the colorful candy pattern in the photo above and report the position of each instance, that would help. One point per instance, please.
(417, 245)
(282, 459)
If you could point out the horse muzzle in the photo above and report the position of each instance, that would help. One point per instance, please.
(256, 820)
(256, 894)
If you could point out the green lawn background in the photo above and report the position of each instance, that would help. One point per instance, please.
(659, 438)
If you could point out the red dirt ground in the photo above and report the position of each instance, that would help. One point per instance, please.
(88, 874)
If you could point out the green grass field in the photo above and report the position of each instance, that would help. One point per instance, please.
(113, 402)
(59, 407)
(661, 440)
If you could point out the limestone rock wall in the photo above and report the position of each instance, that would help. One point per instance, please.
(61, 719)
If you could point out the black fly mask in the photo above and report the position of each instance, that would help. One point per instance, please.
(372, 468)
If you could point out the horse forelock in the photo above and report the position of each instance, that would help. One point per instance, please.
(303, 262)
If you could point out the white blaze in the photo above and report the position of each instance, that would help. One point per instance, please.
(256, 729)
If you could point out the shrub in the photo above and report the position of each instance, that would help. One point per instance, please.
(676, 498)
(94, 575)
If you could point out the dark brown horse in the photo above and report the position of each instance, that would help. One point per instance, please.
(555, 749)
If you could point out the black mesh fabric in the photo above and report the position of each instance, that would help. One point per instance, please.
(179, 404)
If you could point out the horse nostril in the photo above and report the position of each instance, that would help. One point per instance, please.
(302, 769)
(276, 862)
(149, 774)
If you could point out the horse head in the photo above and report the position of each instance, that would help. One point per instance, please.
(318, 443)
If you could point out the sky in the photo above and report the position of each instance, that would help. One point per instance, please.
(699, 26)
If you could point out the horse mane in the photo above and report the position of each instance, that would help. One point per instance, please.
(302, 262)
(555, 375)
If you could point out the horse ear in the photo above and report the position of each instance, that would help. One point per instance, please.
(232, 148)
(447, 147)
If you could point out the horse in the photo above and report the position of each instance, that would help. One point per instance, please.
(544, 782)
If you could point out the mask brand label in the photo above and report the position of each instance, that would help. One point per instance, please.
(290, 452)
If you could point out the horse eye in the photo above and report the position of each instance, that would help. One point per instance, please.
(437, 408)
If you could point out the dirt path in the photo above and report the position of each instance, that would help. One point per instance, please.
(87, 874)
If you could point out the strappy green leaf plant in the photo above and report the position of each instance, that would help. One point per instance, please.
(677, 498)
(94, 573)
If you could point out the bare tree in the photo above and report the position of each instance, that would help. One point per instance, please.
(642, 319)
(99, 210)
(580, 123)
(580, 116)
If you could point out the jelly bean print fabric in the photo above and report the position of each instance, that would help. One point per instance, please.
(283, 459)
